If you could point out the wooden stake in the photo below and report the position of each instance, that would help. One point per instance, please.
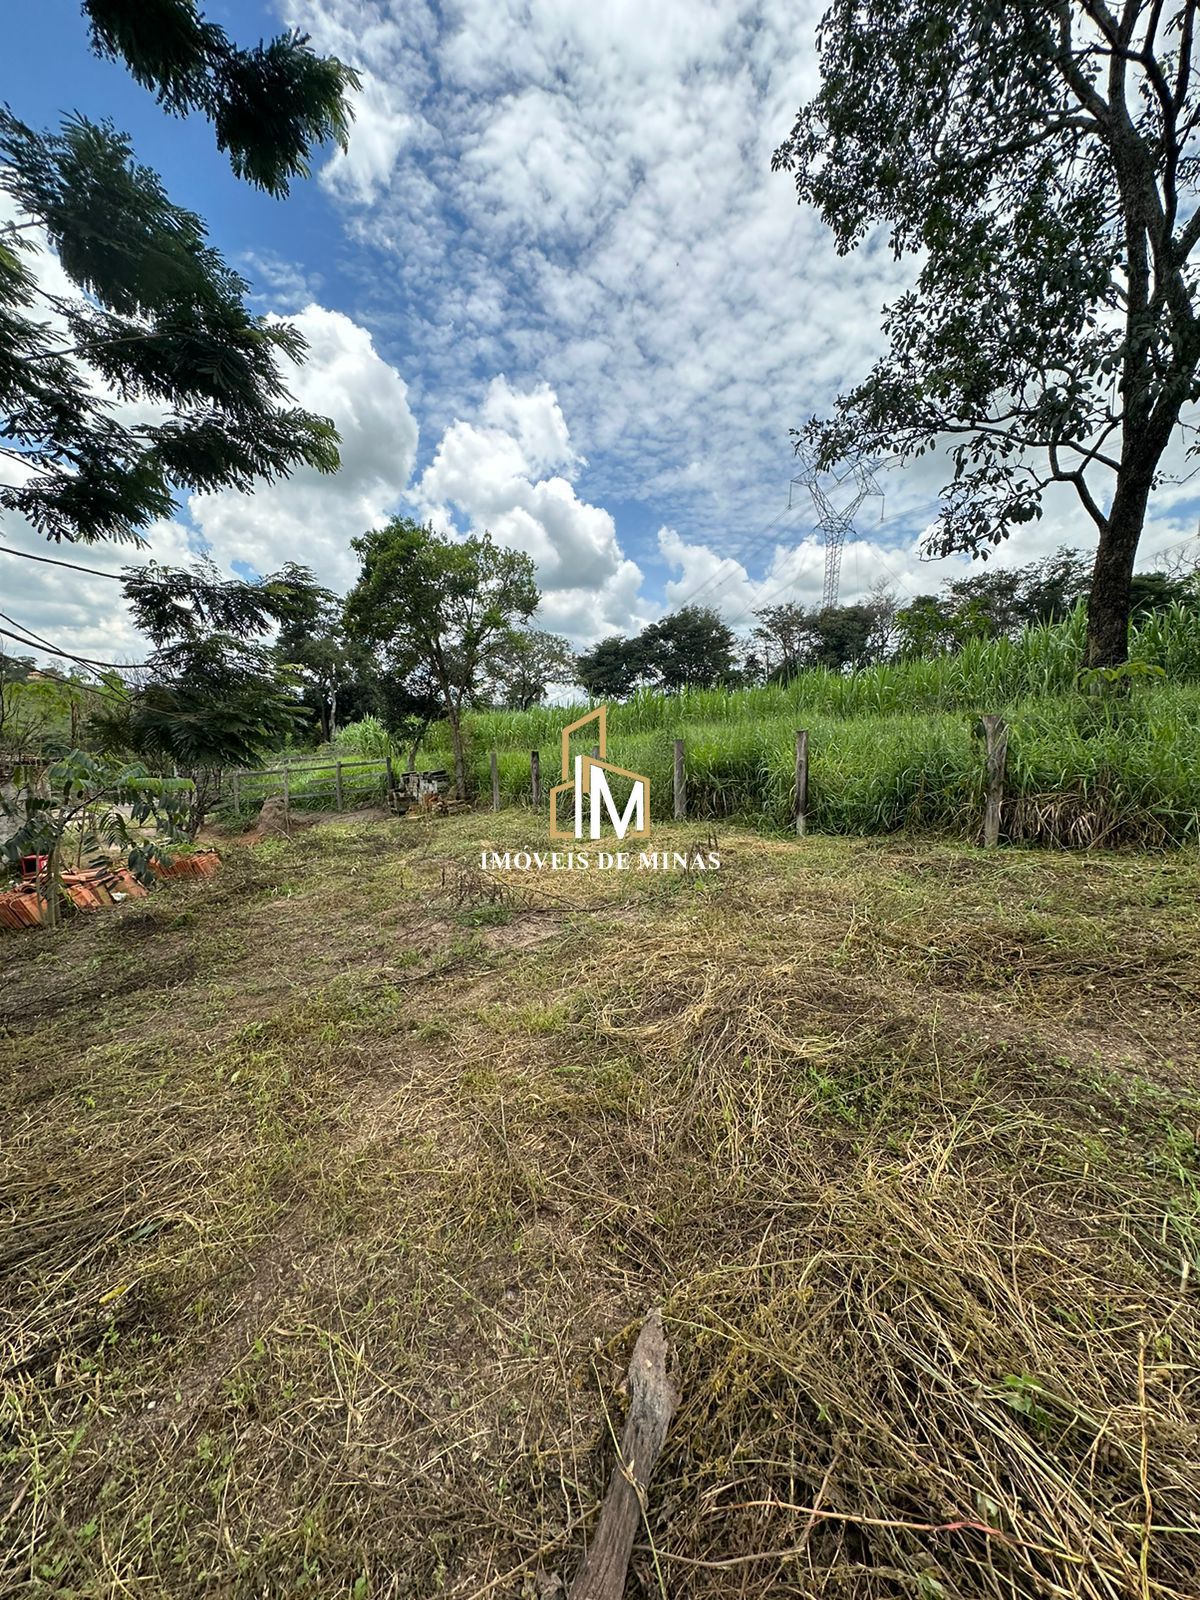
(652, 1402)
(495, 782)
(536, 775)
(237, 796)
(680, 784)
(801, 781)
(337, 783)
(286, 804)
(995, 733)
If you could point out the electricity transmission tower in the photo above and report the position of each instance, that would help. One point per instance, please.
(835, 524)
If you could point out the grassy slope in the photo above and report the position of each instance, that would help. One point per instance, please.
(892, 746)
(336, 1192)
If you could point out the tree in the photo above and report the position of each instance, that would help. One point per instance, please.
(989, 604)
(213, 693)
(611, 670)
(1054, 586)
(269, 105)
(840, 637)
(338, 679)
(524, 663)
(689, 649)
(409, 705)
(831, 636)
(1039, 160)
(928, 626)
(439, 606)
(1155, 591)
(160, 320)
(783, 632)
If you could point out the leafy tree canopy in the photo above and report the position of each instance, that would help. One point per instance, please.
(437, 608)
(214, 693)
(690, 648)
(611, 670)
(524, 663)
(338, 678)
(269, 104)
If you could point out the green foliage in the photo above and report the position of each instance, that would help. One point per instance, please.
(892, 744)
(1038, 163)
(41, 713)
(160, 318)
(523, 664)
(100, 805)
(269, 105)
(611, 670)
(790, 637)
(689, 648)
(366, 737)
(438, 609)
(213, 695)
(338, 678)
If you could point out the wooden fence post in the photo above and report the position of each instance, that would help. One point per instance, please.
(337, 783)
(390, 776)
(286, 800)
(237, 795)
(535, 774)
(495, 782)
(801, 781)
(680, 784)
(995, 733)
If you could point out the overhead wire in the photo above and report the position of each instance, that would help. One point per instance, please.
(35, 641)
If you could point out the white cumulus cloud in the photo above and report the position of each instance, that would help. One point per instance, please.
(499, 473)
(311, 517)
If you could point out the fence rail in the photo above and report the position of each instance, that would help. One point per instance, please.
(994, 731)
(328, 778)
(340, 779)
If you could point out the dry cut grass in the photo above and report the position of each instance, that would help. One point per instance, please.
(335, 1192)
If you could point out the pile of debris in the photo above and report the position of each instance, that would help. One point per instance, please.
(427, 792)
(89, 888)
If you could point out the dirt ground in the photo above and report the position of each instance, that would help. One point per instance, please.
(335, 1189)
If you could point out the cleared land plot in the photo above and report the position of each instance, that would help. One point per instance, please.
(334, 1192)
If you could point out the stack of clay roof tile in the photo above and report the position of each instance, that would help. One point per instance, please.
(91, 888)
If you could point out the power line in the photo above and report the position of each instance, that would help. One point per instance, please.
(832, 523)
(758, 542)
(73, 566)
(790, 583)
(34, 641)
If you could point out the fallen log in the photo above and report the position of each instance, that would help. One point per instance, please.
(652, 1402)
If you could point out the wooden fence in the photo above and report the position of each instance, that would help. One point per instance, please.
(250, 779)
(994, 729)
(995, 735)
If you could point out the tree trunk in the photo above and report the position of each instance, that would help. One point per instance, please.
(460, 779)
(1112, 574)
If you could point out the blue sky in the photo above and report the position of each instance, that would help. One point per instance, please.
(553, 289)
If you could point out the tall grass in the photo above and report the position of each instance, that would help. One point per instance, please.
(893, 746)
(986, 675)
